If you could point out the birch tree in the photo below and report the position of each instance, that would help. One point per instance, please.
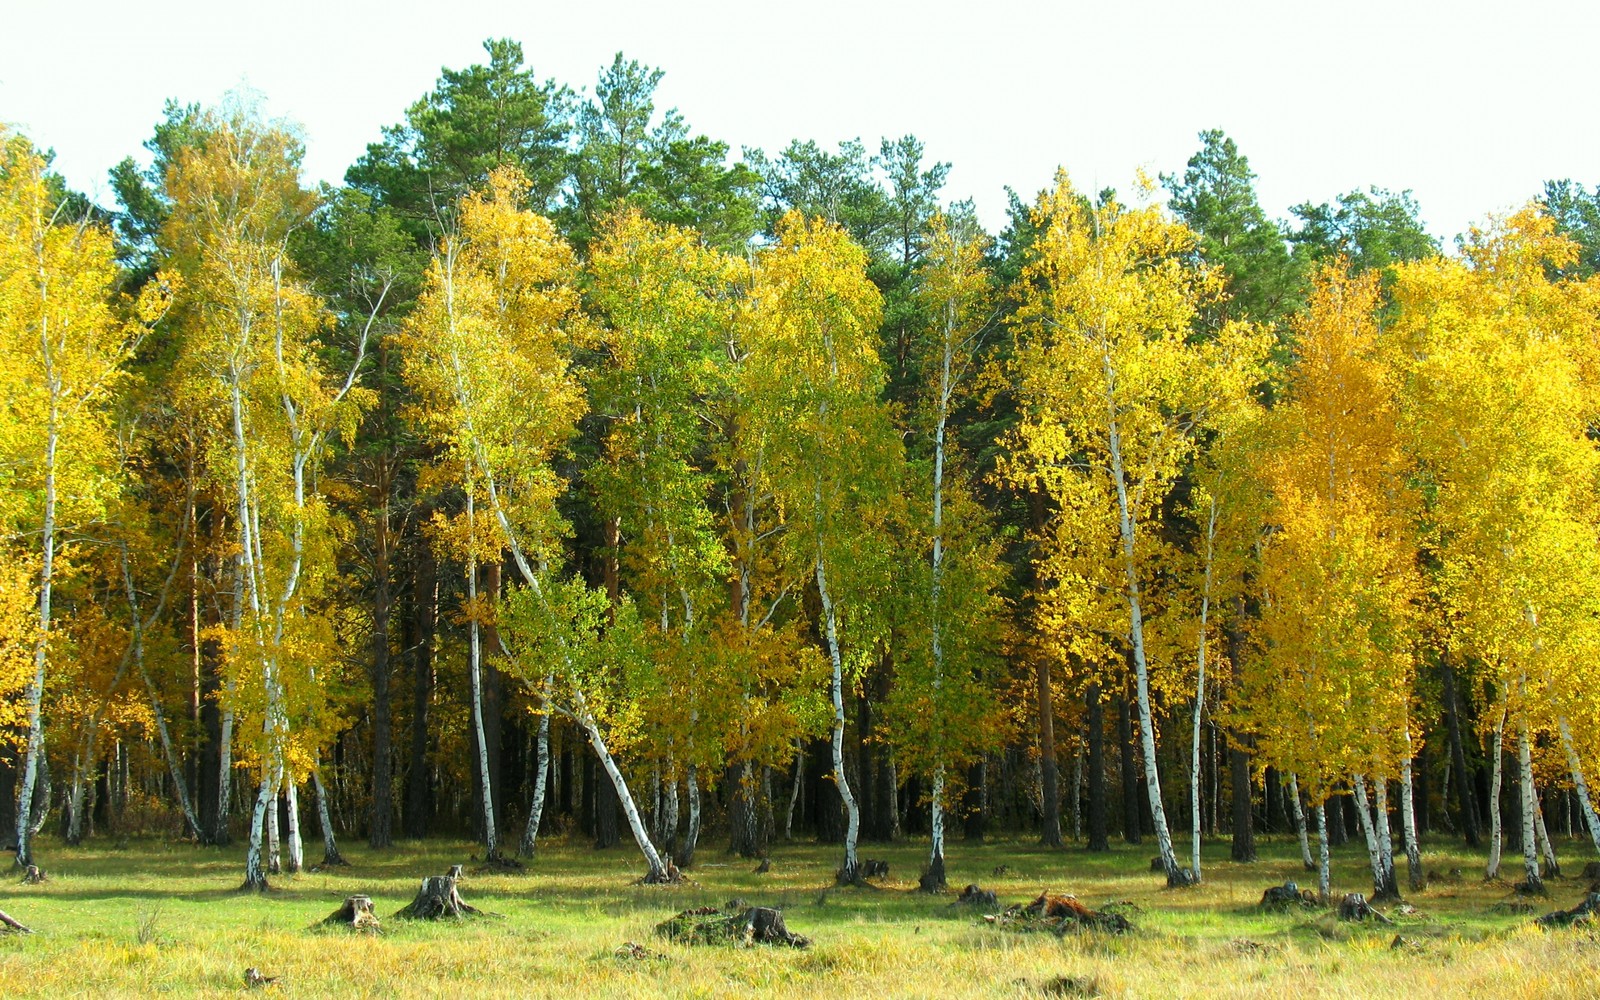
(1115, 392)
(64, 347)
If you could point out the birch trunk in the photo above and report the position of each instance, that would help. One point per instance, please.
(1323, 878)
(1496, 835)
(691, 832)
(1552, 867)
(330, 846)
(658, 871)
(851, 869)
(1300, 823)
(1176, 876)
(1391, 880)
(41, 644)
(1408, 821)
(1582, 786)
(297, 847)
(255, 876)
(1374, 852)
(530, 835)
(1530, 844)
(475, 675)
(1200, 699)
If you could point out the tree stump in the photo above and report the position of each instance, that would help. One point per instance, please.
(871, 868)
(255, 980)
(974, 895)
(1591, 870)
(764, 867)
(436, 899)
(1281, 897)
(456, 872)
(34, 875)
(1354, 906)
(1587, 912)
(11, 926)
(1060, 912)
(747, 926)
(356, 914)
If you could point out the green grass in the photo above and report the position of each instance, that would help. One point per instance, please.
(159, 918)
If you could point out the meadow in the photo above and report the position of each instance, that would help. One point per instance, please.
(148, 917)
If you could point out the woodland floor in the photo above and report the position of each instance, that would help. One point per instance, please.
(159, 918)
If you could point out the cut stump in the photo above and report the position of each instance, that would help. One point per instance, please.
(356, 914)
(34, 875)
(745, 926)
(871, 868)
(11, 926)
(1354, 906)
(975, 895)
(437, 899)
(1289, 894)
(1586, 912)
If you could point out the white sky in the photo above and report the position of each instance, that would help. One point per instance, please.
(1470, 105)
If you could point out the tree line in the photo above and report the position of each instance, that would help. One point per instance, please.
(558, 473)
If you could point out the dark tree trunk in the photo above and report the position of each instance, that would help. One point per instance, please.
(974, 802)
(380, 828)
(827, 806)
(1277, 821)
(1050, 826)
(1244, 828)
(1095, 717)
(1131, 823)
(424, 622)
(1335, 814)
(1468, 807)
(1420, 773)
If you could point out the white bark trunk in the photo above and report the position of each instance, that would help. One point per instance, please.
(641, 836)
(41, 644)
(1147, 737)
(691, 833)
(255, 877)
(1408, 823)
(1547, 847)
(851, 868)
(1391, 884)
(1300, 823)
(1530, 844)
(1582, 786)
(475, 675)
(530, 835)
(1374, 852)
(1323, 874)
(1200, 698)
(1496, 835)
(297, 847)
(330, 845)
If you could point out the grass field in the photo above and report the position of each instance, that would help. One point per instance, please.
(158, 918)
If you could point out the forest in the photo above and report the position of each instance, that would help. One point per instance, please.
(566, 475)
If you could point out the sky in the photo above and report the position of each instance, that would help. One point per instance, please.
(1471, 106)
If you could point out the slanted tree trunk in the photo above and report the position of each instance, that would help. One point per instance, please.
(1374, 853)
(1147, 735)
(659, 871)
(530, 833)
(850, 870)
(1585, 803)
(1300, 823)
(330, 845)
(11, 925)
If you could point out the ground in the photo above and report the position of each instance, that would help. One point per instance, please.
(165, 918)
